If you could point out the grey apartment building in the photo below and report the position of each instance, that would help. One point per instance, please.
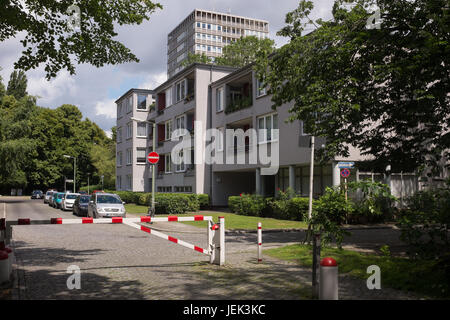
(207, 32)
(213, 96)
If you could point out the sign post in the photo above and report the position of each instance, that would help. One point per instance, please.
(345, 173)
(153, 158)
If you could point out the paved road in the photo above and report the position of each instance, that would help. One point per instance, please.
(119, 262)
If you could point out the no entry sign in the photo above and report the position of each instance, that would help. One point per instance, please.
(345, 173)
(153, 157)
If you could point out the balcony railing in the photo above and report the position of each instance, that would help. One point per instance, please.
(239, 104)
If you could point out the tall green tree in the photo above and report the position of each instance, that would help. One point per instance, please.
(245, 51)
(239, 53)
(380, 85)
(58, 32)
(17, 85)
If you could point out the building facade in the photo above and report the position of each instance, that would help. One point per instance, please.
(207, 32)
(132, 139)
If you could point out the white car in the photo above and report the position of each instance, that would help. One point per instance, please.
(67, 202)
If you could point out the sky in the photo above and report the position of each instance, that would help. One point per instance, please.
(94, 90)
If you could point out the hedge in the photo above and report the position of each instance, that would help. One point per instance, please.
(255, 205)
(166, 203)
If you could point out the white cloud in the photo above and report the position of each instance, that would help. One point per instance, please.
(106, 108)
(153, 81)
(49, 91)
(108, 133)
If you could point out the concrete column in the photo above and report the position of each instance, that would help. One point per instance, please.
(336, 174)
(258, 184)
(292, 177)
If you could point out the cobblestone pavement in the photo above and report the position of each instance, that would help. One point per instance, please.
(119, 262)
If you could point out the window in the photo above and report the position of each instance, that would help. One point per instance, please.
(129, 156)
(198, 25)
(260, 88)
(119, 135)
(129, 181)
(219, 143)
(169, 97)
(119, 182)
(129, 130)
(180, 90)
(119, 109)
(270, 124)
(219, 99)
(141, 155)
(142, 102)
(180, 167)
(180, 122)
(164, 189)
(168, 130)
(119, 158)
(129, 101)
(142, 129)
(168, 163)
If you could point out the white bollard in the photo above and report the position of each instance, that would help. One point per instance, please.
(328, 282)
(4, 267)
(259, 242)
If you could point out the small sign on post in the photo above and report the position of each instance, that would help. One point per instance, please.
(153, 157)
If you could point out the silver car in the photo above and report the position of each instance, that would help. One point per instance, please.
(106, 205)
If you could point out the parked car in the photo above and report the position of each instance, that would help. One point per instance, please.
(52, 199)
(58, 200)
(106, 205)
(48, 195)
(80, 206)
(68, 200)
(37, 194)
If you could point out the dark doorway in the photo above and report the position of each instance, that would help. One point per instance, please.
(269, 185)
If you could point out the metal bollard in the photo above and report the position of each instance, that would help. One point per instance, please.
(328, 283)
(259, 242)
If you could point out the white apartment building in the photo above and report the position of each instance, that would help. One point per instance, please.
(132, 139)
(207, 32)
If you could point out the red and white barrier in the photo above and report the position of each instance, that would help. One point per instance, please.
(259, 242)
(216, 232)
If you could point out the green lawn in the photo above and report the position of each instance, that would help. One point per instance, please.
(232, 221)
(424, 277)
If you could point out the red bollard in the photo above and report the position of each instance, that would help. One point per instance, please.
(328, 283)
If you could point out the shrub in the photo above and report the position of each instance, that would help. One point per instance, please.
(425, 225)
(203, 200)
(329, 213)
(374, 202)
(233, 203)
(167, 203)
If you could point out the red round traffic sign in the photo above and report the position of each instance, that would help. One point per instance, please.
(345, 173)
(153, 157)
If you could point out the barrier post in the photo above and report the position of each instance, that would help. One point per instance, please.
(259, 242)
(210, 246)
(328, 279)
(218, 254)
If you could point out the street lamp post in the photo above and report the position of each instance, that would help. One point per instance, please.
(74, 171)
(152, 205)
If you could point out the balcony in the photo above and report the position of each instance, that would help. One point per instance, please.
(239, 94)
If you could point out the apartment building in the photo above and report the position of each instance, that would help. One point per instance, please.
(207, 32)
(224, 98)
(132, 139)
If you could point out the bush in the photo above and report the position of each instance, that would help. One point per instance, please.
(169, 203)
(250, 205)
(233, 203)
(375, 203)
(203, 200)
(425, 225)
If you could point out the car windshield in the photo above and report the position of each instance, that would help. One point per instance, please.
(49, 193)
(71, 196)
(84, 199)
(108, 199)
(60, 196)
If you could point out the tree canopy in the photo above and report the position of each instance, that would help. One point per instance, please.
(384, 89)
(34, 140)
(52, 38)
(237, 54)
(17, 85)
